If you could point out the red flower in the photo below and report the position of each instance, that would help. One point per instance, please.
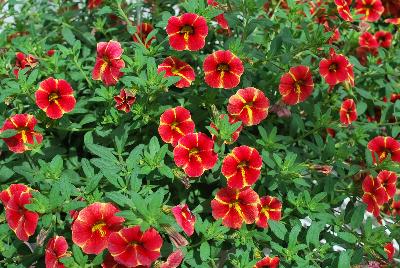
(368, 40)
(108, 63)
(132, 247)
(335, 69)
(382, 146)
(296, 85)
(109, 262)
(363, 52)
(56, 249)
(23, 61)
(395, 21)
(185, 218)
(222, 69)
(24, 124)
(124, 101)
(55, 97)
(235, 206)
(94, 225)
(174, 260)
(22, 221)
(50, 52)
(187, 32)
(220, 19)
(374, 194)
(174, 124)
(371, 9)
(268, 262)
(268, 209)
(388, 179)
(389, 249)
(242, 167)
(175, 67)
(384, 38)
(344, 9)
(142, 31)
(395, 207)
(94, 3)
(195, 154)
(348, 112)
(249, 105)
(232, 120)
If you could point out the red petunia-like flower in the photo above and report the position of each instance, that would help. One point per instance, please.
(296, 85)
(55, 97)
(142, 31)
(56, 249)
(94, 3)
(268, 209)
(132, 247)
(343, 8)
(22, 221)
(23, 61)
(94, 225)
(124, 100)
(175, 67)
(388, 179)
(382, 146)
(249, 105)
(174, 124)
(195, 154)
(232, 120)
(348, 112)
(174, 259)
(187, 32)
(371, 9)
(242, 167)
(268, 262)
(389, 249)
(395, 21)
(185, 218)
(222, 69)
(24, 124)
(108, 63)
(109, 262)
(235, 206)
(336, 69)
(374, 194)
(368, 40)
(384, 38)
(220, 19)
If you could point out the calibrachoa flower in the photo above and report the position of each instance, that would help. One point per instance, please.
(185, 218)
(348, 112)
(267, 262)
(296, 85)
(382, 146)
(124, 101)
(249, 105)
(132, 247)
(108, 63)
(374, 194)
(187, 32)
(371, 9)
(368, 40)
(395, 21)
(94, 3)
(232, 120)
(56, 249)
(24, 124)
(142, 31)
(94, 225)
(109, 262)
(220, 19)
(55, 97)
(388, 179)
(384, 38)
(235, 206)
(242, 167)
(23, 61)
(344, 9)
(22, 221)
(389, 249)
(195, 154)
(269, 208)
(174, 124)
(175, 67)
(222, 69)
(174, 260)
(335, 69)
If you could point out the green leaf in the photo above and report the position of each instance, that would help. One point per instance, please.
(68, 35)
(313, 233)
(278, 228)
(348, 237)
(344, 260)
(205, 251)
(294, 233)
(8, 133)
(358, 216)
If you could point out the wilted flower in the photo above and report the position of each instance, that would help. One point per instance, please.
(185, 218)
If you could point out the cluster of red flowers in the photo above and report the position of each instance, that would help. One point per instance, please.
(370, 10)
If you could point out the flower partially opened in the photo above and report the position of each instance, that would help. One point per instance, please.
(388, 179)
(268, 209)
(296, 85)
(389, 249)
(94, 225)
(250, 105)
(383, 146)
(142, 31)
(242, 167)
(235, 206)
(384, 38)
(174, 124)
(268, 262)
(395, 21)
(24, 125)
(368, 40)
(195, 154)
(55, 250)
(185, 218)
(23, 61)
(175, 67)
(374, 194)
(348, 112)
(124, 100)
(55, 97)
(132, 247)
(370, 9)
(174, 260)
(220, 19)
(187, 32)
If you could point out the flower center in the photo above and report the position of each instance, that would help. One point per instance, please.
(21, 129)
(298, 85)
(243, 164)
(99, 226)
(53, 96)
(174, 124)
(193, 152)
(223, 67)
(383, 155)
(333, 67)
(187, 29)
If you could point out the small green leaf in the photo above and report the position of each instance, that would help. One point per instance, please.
(278, 228)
